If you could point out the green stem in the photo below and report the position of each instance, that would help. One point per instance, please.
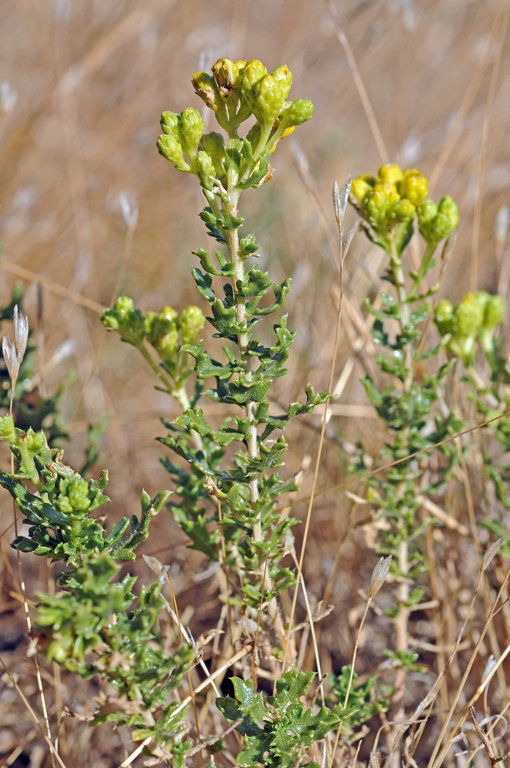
(178, 393)
(28, 463)
(423, 268)
(167, 383)
(232, 237)
(403, 592)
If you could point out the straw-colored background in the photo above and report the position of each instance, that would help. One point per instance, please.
(424, 83)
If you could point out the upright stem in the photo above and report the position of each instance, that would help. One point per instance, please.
(230, 205)
(232, 237)
(402, 619)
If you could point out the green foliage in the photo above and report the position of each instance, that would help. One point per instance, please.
(408, 397)
(363, 701)
(226, 478)
(276, 730)
(95, 624)
(226, 472)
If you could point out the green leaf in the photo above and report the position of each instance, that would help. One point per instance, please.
(213, 225)
(194, 419)
(203, 282)
(250, 703)
(247, 246)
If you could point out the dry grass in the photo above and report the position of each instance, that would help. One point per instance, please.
(92, 79)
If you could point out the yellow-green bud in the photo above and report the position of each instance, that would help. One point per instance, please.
(443, 317)
(226, 74)
(162, 325)
(413, 186)
(192, 127)
(149, 321)
(252, 73)
(468, 316)
(192, 324)
(206, 170)
(297, 112)
(359, 190)
(426, 213)
(375, 207)
(168, 314)
(448, 208)
(388, 189)
(124, 305)
(168, 344)
(269, 99)
(437, 221)
(170, 123)
(170, 147)
(390, 172)
(35, 441)
(283, 75)
(77, 494)
(402, 210)
(7, 430)
(212, 143)
(205, 86)
(463, 347)
(494, 313)
(109, 320)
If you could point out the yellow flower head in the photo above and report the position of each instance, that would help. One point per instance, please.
(413, 186)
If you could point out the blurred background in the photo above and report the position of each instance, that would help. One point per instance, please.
(89, 210)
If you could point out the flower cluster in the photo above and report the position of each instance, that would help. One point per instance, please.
(473, 319)
(235, 91)
(390, 201)
(165, 331)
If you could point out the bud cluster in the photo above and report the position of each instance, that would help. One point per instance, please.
(165, 331)
(473, 319)
(234, 92)
(390, 201)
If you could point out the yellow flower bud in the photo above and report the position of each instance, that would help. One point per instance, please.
(468, 316)
(449, 209)
(227, 76)
(170, 147)
(205, 86)
(168, 314)
(283, 76)
(494, 312)
(443, 317)
(297, 112)
(191, 126)
(212, 143)
(150, 319)
(206, 170)
(170, 123)
(269, 98)
(192, 324)
(401, 210)
(388, 189)
(168, 345)
(375, 208)
(414, 187)
(359, 190)
(391, 173)
(251, 74)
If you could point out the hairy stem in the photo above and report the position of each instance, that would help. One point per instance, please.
(232, 237)
(402, 619)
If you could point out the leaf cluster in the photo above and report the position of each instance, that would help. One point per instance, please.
(277, 730)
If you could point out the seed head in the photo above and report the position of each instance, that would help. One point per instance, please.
(379, 575)
(13, 351)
